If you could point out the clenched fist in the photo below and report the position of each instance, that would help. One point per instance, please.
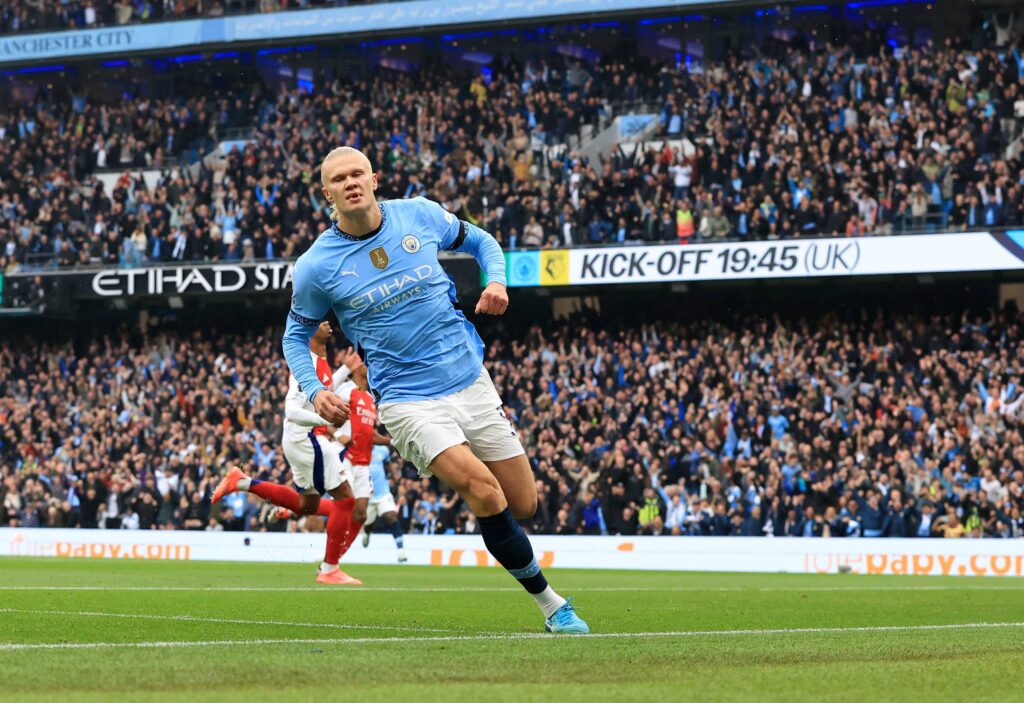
(493, 301)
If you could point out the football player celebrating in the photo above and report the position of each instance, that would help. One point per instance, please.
(377, 267)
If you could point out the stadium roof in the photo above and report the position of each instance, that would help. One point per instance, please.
(306, 24)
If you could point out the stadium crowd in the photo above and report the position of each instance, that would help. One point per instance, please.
(54, 15)
(263, 201)
(793, 142)
(884, 426)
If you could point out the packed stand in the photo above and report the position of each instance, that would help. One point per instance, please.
(54, 211)
(891, 426)
(798, 145)
(264, 200)
(17, 16)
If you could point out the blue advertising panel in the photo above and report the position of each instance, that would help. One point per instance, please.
(298, 24)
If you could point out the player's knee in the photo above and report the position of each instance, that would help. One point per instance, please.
(484, 492)
(523, 508)
(309, 505)
(358, 515)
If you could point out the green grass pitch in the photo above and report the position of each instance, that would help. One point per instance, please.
(90, 630)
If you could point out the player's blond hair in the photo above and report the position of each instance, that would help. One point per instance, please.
(333, 154)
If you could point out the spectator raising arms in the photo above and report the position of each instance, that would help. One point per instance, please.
(885, 427)
(794, 142)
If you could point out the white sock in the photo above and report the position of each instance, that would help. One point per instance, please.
(327, 568)
(548, 601)
(243, 484)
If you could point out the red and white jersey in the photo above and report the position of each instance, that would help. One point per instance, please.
(361, 425)
(298, 406)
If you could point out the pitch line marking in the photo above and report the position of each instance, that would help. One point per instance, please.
(18, 646)
(512, 589)
(226, 621)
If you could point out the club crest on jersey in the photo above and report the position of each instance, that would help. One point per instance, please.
(379, 258)
(410, 243)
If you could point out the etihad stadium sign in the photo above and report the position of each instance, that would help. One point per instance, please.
(184, 280)
(198, 279)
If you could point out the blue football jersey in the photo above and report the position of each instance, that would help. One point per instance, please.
(378, 475)
(394, 301)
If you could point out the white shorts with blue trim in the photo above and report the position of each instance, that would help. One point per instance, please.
(422, 429)
(315, 462)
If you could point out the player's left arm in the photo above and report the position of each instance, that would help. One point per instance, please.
(356, 370)
(459, 235)
(295, 412)
(382, 439)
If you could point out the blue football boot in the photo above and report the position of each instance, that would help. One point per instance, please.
(566, 621)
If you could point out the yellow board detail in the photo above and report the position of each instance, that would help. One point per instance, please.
(554, 268)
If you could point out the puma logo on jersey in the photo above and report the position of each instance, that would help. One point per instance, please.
(353, 272)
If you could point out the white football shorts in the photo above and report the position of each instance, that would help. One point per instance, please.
(316, 465)
(362, 486)
(381, 506)
(422, 429)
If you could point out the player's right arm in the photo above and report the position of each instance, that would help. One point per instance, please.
(352, 369)
(343, 434)
(340, 376)
(309, 306)
(296, 413)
